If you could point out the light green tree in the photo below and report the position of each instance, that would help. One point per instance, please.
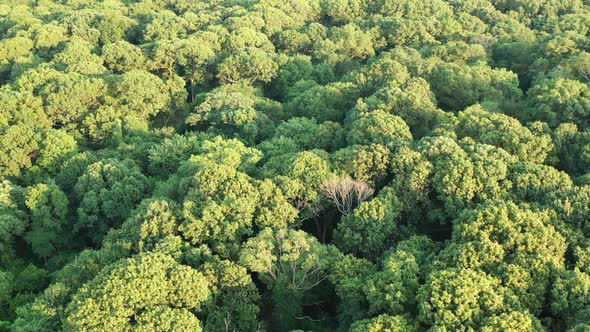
(149, 292)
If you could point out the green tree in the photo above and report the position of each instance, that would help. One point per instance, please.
(513, 243)
(308, 134)
(12, 218)
(301, 176)
(503, 131)
(165, 157)
(570, 293)
(290, 263)
(560, 100)
(77, 57)
(457, 87)
(57, 146)
(344, 10)
(232, 108)
(22, 107)
(460, 299)
(122, 56)
(371, 228)
(234, 297)
(67, 97)
(572, 148)
(513, 321)
(150, 224)
(378, 127)
(152, 290)
(384, 323)
(20, 144)
(392, 289)
(349, 275)
(248, 65)
(411, 100)
(368, 163)
(145, 94)
(47, 206)
(348, 42)
(323, 103)
(106, 194)
(219, 204)
(163, 25)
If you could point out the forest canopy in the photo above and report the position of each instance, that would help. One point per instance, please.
(295, 165)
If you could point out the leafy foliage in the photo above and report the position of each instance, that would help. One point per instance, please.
(294, 165)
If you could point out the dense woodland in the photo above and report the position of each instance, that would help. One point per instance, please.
(279, 165)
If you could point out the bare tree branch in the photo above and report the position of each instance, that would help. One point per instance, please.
(346, 193)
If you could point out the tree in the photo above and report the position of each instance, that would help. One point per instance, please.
(194, 57)
(453, 178)
(460, 299)
(219, 204)
(107, 124)
(579, 66)
(379, 72)
(48, 209)
(457, 87)
(458, 52)
(67, 97)
(560, 100)
(290, 263)
(245, 38)
(343, 10)
(535, 182)
(572, 148)
(234, 297)
(150, 224)
(274, 209)
(48, 37)
(22, 107)
(106, 194)
(77, 57)
(12, 218)
(166, 156)
(21, 143)
(122, 56)
(384, 323)
(349, 275)
(513, 243)
(411, 177)
(378, 127)
(369, 163)
(232, 108)
(308, 134)
(57, 146)
(151, 292)
(394, 287)
(300, 177)
(503, 131)
(372, 228)
(411, 99)
(12, 49)
(346, 193)
(570, 293)
(163, 25)
(145, 94)
(249, 65)
(348, 42)
(323, 103)
(300, 68)
(512, 321)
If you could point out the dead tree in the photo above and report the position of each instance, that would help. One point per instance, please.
(346, 193)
